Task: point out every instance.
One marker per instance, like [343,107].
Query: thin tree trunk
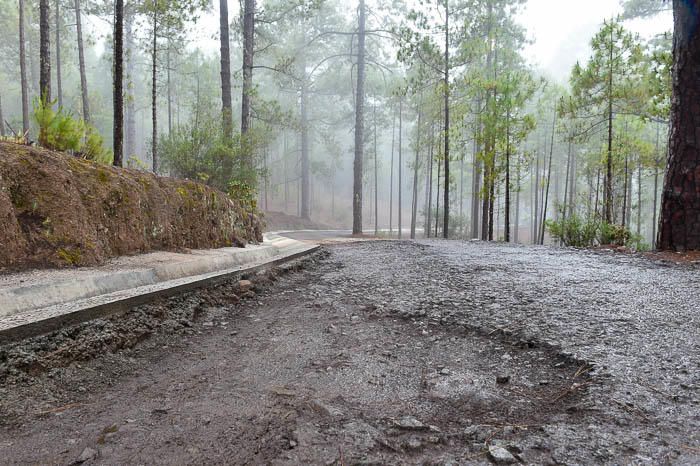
[625,192]
[130,145]
[437,202]
[506,233]
[391,173]
[414,204]
[609,162]
[81,63]
[476,175]
[169,88]
[400,179]
[44,52]
[59,84]
[305,165]
[516,227]
[247,87]
[429,200]
[657,163]
[566,187]
[23,71]
[549,180]
[597,194]
[536,207]
[226,105]
[446,189]
[118,83]
[376,176]
[639,197]
[154,93]
[359,124]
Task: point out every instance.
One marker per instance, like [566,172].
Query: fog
[523,150]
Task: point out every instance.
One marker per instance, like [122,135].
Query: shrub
[59,131]
[574,230]
[577,231]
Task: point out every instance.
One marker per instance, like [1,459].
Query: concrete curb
[45,307]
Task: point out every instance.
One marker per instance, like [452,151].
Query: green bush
[59,131]
[199,152]
[580,232]
[575,230]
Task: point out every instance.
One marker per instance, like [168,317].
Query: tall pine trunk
[44,52]
[23,71]
[414,203]
[59,83]
[359,125]
[391,172]
[118,84]
[226,104]
[506,231]
[476,176]
[376,174]
[154,92]
[400,178]
[305,164]
[429,195]
[130,136]
[446,219]
[81,63]
[247,88]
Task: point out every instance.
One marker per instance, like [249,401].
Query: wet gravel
[380,352]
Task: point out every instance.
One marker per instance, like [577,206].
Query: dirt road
[378,353]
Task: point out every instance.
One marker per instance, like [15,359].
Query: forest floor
[379,352]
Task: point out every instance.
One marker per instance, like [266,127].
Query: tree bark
[44,52]
[226,104]
[549,181]
[359,125]
[446,219]
[609,162]
[118,83]
[154,92]
[305,165]
[59,84]
[400,178]
[679,227]
[506,231]
[169,88]
[391,173]
[247,88]
[376,175]
[81,63]
[130,139]
[429,196]
[476,182]
[23,71]
[414,204]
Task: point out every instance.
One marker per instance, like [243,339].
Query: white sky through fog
[560,31]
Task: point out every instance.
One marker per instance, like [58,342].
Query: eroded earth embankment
[57,210]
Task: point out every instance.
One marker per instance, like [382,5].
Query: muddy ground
[378,353]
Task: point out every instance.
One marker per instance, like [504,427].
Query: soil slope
[57,210]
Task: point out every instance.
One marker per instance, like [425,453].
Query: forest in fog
[424,118]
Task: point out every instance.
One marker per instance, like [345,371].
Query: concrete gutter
[49,303]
